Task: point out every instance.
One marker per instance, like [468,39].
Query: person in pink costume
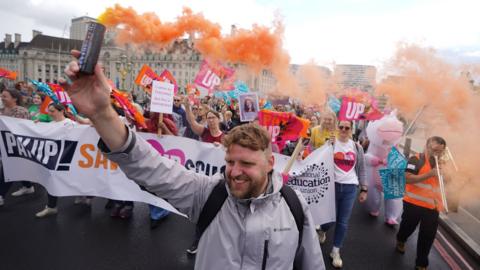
[382,135]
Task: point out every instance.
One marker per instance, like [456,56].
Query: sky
[326,32]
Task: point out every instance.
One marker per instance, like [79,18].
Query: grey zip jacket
[258,233]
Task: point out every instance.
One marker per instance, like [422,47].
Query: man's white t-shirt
[345,158]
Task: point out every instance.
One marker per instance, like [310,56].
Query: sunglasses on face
[344,128]
[176,100]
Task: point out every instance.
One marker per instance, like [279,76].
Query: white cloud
[360,38]
[372,39]
[472,53]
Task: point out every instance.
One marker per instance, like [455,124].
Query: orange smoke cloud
[452,107]
[312,79]
[258,48]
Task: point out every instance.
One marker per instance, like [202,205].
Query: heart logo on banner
[344,161]
[173,154]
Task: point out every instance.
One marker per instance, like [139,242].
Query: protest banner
[248,106]
[162,97]
[353,108]
[44,106]
[7,74]
[145,78]
[314,178]
[214,76]
[393,177]
[334,104]
[283,126]
[166,76]
[67,162]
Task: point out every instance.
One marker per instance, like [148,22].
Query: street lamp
[124,66]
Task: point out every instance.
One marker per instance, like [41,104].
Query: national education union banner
[313,177]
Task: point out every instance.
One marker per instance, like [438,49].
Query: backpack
[219,194]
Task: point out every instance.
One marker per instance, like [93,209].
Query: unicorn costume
[382,134]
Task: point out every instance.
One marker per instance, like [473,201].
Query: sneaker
[78,200]
[23,191]
[400,247]
[322,236]
[46,212]
[336,259]
[374,213]
[192,250]
[1,201]
[88,202]
[391,222]
[126,212]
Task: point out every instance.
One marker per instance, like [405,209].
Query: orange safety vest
[426,193]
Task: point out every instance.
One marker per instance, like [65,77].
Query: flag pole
[450,156]
[160,120]
[414,120]
[297,150]
[442,186]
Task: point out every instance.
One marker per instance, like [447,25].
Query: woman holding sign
[350,171]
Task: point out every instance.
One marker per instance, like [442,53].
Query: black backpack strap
[421,160]
[215,201]
[293,202]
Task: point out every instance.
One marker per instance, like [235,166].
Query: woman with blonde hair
[326,130]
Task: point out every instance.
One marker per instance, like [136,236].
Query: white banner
[67,162]
[314,178]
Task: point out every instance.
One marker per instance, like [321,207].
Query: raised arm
[196,127]
[91,96]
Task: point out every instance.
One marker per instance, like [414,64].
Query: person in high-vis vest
[422,201]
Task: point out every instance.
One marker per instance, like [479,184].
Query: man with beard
[422,202]
[255,227]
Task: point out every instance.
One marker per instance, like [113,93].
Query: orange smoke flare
[452,108]
[259,48]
